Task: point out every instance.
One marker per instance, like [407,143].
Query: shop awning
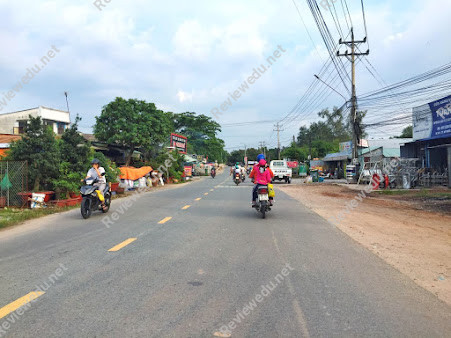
[337,157]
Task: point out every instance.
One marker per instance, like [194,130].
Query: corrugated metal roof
[337,156]
[8,138]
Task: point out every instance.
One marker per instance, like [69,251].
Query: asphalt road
[203,271]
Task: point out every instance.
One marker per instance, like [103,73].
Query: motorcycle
[237,178]
[243,177]
[262,204]
[213,173]
[91,201]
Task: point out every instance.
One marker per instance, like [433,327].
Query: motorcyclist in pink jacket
[261,176]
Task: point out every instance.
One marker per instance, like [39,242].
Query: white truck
[281,170]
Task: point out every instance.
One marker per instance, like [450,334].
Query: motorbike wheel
[237,182]
[107,203]
[263,208]
[86,208]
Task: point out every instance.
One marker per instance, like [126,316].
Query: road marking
[198,199]
[7,309]
[206,194]
[186,207]
[220,334]
[212,189]
[164,220]
[121,245]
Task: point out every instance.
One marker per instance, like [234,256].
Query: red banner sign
[188,171]
[179,142]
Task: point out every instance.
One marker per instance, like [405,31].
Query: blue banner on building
[432,120]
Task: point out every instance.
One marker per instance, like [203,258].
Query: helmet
[95,161]
[260,157]
[237,166]
[262,162]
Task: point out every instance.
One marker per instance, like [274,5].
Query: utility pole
[278,139]
[262,146]
[67,103]
[351,57]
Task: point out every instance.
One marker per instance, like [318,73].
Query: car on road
[281,170]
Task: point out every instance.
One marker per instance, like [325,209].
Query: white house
[14,123]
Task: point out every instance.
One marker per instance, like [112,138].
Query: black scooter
[90,199]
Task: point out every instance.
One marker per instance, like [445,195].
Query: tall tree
[132,124]
[201,132]
[39,148]
[74,149]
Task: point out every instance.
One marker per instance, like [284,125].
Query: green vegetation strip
[9,216]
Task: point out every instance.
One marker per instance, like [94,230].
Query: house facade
[14,123]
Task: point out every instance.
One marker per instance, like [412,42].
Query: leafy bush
[68,181]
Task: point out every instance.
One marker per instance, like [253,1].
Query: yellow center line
[6,310]
[198,199]
[164,220]
[121,245]
[186,207]
[206,194]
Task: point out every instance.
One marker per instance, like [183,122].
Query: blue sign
[441,117]
[432,120]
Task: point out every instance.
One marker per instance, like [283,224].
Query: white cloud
[184,96]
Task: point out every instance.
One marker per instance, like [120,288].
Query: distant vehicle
[281,170]
[237,178]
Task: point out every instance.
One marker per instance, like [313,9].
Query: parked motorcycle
[262,203]
[91,201]
[237,178]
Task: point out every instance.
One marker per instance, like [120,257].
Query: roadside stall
[132,178]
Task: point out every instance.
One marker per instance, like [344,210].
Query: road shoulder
[415,242]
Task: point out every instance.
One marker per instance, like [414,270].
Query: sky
[190,55]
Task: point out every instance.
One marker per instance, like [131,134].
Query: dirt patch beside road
[400,228]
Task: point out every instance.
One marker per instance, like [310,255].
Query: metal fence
[13,183]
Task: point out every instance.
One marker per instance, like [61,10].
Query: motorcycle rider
[253,174]
[96,173]
[243,173]
[235,170]
[261,176]
[213,171]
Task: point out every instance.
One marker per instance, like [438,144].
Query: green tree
[74,149]
[132,124]
[39,148]
[201,132]
[407,132]
[294,152]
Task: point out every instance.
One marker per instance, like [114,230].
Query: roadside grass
[13,216]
